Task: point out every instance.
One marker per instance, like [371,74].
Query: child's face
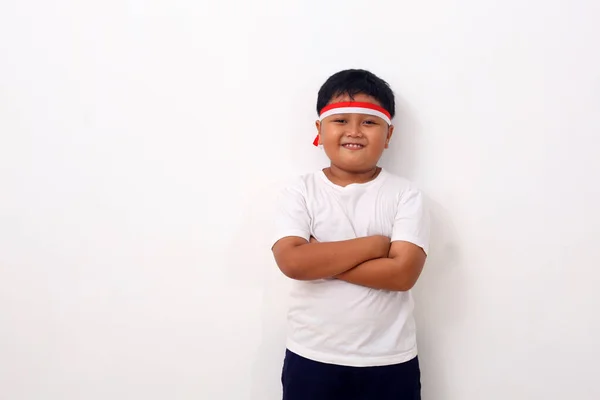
[354,142]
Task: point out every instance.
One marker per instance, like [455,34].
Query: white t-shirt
[337,322]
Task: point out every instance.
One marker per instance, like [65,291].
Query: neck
[343,178]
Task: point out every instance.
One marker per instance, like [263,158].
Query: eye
[339,121]
[370,122]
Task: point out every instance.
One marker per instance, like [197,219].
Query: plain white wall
[141,142]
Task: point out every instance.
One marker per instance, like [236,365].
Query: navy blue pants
[304,379]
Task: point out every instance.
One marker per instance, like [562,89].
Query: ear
[318,126]
[389,136]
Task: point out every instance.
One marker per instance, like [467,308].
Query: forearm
[398,272]
[380,273]
[314,260]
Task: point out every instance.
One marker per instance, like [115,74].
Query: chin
[355,167]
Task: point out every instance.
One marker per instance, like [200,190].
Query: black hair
[353,82]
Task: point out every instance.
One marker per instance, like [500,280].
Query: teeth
[353,146]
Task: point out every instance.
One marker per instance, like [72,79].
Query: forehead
[361,98]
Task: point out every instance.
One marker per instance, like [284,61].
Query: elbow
[287,260]
[294,265]
[406,276]
[402,284]
[296,274]
[292,269]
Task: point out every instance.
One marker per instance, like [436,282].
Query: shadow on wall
[438,305]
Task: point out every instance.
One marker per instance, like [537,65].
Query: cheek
[331,135]
[378,137]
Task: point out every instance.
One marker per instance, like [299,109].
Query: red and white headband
[353,107]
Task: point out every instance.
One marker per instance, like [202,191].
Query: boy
[354,238]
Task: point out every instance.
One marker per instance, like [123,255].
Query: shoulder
[400,186]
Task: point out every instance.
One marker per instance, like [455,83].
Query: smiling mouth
[353,146]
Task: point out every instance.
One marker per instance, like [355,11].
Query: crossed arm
[369,261]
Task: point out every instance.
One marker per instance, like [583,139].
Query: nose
[353,129]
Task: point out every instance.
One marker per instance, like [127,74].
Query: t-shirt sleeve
[412,220]
[291,214]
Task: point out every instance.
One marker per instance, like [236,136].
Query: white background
[141,142]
